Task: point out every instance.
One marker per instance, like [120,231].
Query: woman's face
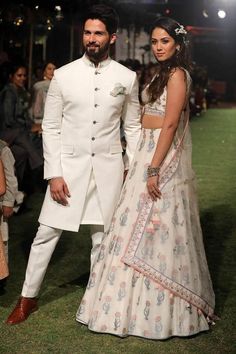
[48,72]
[163,45]
[19,77]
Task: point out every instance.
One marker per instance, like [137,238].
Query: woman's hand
[153,187]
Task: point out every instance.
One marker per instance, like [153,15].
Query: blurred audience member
[37,73]
[40,90]
[13,198]
[15,125]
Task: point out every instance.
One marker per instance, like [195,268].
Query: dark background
[213,39]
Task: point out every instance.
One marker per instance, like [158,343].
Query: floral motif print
[150,278]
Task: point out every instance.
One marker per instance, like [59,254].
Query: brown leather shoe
[24,307]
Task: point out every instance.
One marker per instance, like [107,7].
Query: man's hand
[59,190]
[36,128]
[7,211]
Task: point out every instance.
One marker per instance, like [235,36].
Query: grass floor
[53,328]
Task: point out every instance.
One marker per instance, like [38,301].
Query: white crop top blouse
[156,108]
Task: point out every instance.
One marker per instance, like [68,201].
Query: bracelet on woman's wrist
[152,171]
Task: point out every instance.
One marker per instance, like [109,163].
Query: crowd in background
[21,153]
[21,114]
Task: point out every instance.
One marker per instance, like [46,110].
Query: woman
[16,127]
[15,99]
[151,278]
[40,90]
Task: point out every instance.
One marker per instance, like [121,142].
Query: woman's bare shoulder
[178,74]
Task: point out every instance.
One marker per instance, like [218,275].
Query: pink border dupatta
[132,255]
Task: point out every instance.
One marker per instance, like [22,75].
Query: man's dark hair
[105,14]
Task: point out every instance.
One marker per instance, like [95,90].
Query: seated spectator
[16,126]
[11,200]
[37,74]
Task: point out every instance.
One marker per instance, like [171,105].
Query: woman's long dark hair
[181,58]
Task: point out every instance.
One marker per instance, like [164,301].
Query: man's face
[97,40]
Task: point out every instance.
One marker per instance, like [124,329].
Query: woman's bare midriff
[152,122]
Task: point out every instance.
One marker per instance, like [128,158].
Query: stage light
[49,24]
[221,13]
[205,13]
[59,14]
[18,21]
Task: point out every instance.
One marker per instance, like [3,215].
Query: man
[82,148]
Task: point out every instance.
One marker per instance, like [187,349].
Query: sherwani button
[93,138]
[93,154]
[96,89]
[96,105]
[94,122]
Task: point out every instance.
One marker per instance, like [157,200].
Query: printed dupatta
[133,254]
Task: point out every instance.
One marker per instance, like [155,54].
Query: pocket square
[118,90]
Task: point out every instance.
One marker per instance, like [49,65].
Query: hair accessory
[180,30]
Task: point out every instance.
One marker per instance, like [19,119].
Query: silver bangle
[152,171]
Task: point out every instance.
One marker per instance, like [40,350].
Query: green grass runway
[53,328]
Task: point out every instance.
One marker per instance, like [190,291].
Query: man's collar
[102,64]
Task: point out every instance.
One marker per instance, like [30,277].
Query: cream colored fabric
[81,132]
[41,251]
[92,214]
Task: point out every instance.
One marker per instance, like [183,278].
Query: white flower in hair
[180,30]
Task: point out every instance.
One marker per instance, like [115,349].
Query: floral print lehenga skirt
[151,278]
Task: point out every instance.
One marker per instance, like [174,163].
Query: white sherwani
[81,133]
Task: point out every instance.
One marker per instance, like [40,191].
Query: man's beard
[98,53]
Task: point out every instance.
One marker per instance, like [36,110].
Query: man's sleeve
[131,122]
[52,131]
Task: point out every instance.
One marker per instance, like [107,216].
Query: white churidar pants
[47,237]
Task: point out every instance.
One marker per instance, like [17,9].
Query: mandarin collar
[101,65]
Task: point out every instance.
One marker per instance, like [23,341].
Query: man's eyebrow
[95,32]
